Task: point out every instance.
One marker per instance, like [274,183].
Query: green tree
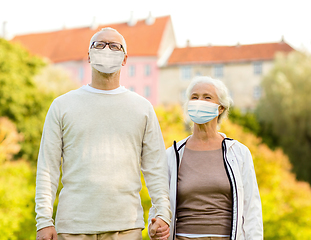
[284,111]
[20,99]
[17,188]
[54,80]
[28,85]
[247,120]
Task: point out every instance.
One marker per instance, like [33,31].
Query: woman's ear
[221,109]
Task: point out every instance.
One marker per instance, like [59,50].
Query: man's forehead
[108,34]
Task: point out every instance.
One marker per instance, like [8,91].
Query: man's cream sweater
[104,140]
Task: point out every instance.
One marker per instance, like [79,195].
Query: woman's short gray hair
[221,91]
[108,29]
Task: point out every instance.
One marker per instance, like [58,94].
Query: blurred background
[259,49]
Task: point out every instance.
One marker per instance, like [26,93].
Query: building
[156,69]
[240,67]
[149,43]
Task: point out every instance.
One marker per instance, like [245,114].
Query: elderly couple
[102,135]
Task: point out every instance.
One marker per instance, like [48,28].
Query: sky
[202,22]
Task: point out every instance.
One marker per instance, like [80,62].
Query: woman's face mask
[106,60]
[201,111]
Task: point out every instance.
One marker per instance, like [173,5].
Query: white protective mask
[202,111]
[106,60]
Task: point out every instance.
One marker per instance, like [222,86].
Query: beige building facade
[242,77]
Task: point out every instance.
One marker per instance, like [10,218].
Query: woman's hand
[158,229]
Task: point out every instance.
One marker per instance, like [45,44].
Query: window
[81,73]
[186,72]
[147,91]
[131,70]
[147,70]
[183,95]
[132,89]
[198,73]
[257,68]
[219,71]
[257,92]
[231,94]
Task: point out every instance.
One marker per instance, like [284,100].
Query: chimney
[150,20]
[282,39]
[94,24]
[4,29]
[238,44]
[132,20]
[188,43]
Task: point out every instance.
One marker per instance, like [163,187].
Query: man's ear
[88,57]
[124,60]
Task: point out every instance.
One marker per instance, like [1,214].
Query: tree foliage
[28,85]
[54,80]
[284,111]
[17,188]
[20,99]
[9,139]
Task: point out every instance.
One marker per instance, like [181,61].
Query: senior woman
[213,188]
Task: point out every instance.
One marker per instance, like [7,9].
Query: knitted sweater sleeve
[154,167]
[48,168]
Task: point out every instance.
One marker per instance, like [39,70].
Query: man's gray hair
[221,91]
[108,29]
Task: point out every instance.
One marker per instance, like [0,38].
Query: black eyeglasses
[112,45]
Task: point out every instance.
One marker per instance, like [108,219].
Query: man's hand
[48,233]
[158,229]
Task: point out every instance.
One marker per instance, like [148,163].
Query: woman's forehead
[201,88]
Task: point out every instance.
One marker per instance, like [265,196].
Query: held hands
[158,229]
[48,233]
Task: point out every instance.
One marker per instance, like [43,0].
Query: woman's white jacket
[247,213]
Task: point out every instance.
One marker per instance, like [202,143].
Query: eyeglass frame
[107,43]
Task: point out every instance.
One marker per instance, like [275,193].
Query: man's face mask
[202,111]
[106,60]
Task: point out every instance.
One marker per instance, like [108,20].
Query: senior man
[101,135]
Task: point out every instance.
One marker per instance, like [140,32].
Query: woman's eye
[194,97]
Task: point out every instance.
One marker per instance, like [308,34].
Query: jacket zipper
[177,165]
[232,181]
[177,168]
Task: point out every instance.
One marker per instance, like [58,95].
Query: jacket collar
[181,143]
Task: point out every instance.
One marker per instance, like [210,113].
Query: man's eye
[114,46]
[99,45]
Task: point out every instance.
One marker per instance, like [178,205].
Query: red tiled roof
[72,44]
[223,54]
